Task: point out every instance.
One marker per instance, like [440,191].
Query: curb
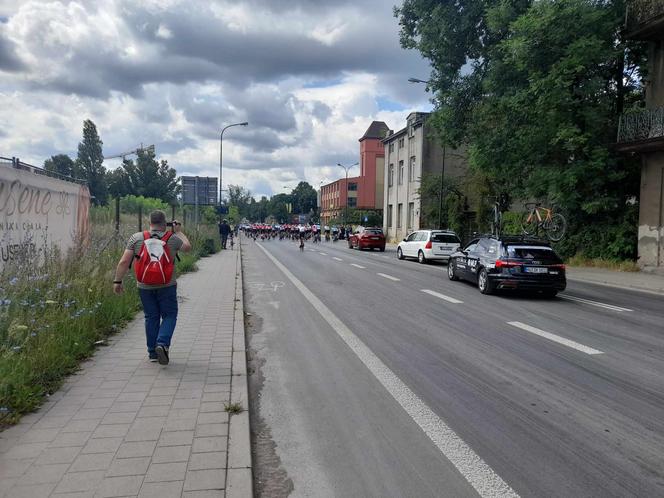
[239,477]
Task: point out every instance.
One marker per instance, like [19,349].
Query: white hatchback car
[428,245]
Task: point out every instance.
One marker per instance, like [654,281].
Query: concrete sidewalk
[126,427]
[639,280]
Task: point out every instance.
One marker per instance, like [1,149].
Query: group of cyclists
[301,233]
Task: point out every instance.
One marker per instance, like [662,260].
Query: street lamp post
[221,149]
[346,168]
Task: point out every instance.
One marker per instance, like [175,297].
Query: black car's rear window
[531,252]
[445,237]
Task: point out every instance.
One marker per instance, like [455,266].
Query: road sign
[199,190]
[366,218]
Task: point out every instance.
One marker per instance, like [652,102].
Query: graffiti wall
[38,213]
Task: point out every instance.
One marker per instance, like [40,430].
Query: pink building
[364,191]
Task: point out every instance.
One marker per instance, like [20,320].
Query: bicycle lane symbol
[267,287]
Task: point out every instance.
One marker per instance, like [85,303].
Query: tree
[150,178]
[240,197]
[89,163]
[118,182]
[278,207]
[304,198]
[61,164]
[535,89]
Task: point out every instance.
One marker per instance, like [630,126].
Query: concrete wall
[655,86]
[651,211]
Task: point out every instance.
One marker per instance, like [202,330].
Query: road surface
[379,377]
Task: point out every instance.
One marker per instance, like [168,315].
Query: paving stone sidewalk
[126,427]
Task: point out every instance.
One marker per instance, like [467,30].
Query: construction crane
[149,148]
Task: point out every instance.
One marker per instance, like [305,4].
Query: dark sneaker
[153,357]
[162,354]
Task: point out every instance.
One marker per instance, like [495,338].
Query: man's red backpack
[154,263]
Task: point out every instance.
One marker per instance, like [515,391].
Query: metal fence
[640,12]
[643,125]
[15,162]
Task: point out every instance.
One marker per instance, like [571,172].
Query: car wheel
[483,283]
[350,244]
[451,271]
[399,253]
[420,258]
[549,293]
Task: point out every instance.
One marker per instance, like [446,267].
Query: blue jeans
[161,314]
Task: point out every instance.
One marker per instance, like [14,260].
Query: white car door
[410,245]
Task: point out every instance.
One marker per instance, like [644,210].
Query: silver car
[427,245]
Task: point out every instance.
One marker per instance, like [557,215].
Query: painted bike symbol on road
[264,286]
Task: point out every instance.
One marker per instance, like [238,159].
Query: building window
[411,214]
[400,172]
[391,146]
[352,202]
[390,175]
[352,187]
[411,169]
[402,142]
[399,214]
[389,215]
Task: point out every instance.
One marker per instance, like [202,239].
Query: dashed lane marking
[389,277]
[442,296]
[469,464]
[556,338]
[323,253]
[358,266]
[338,259]
[593,303]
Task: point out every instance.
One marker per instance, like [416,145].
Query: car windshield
[445,237]
[531,252]
[374,232]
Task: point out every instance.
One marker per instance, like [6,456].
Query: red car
[367,238]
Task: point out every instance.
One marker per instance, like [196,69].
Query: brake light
[429,245]
[505,264]
[557,267]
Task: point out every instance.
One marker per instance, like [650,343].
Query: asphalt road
[555,397]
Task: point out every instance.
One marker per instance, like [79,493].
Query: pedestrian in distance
[224,230]
[153,254]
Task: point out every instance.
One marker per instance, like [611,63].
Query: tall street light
[221,150]
[346,168]
[442,173]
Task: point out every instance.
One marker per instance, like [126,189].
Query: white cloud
[173,73]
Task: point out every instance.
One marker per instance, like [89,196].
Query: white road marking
[442,296]
[338,259]
[389,277]
[556,338]
[482,477]
[323,254]
[594,303]
[358,266]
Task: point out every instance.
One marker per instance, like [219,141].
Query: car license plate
[375,238]
[535,269]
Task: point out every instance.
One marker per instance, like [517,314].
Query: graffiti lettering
[15,197]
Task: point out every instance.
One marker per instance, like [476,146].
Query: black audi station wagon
[509,262]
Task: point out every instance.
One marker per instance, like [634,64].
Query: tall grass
[53,314]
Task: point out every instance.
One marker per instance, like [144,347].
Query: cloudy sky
[308,75]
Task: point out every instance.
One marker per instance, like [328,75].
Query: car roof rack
[513,238]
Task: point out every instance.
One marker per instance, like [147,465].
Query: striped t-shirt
[174,244]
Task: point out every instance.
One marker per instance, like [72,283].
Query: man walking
[155,251]
[224,230]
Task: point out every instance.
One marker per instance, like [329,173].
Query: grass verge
[52,315]
[607,264]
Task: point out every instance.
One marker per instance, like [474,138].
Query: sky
[308,75]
